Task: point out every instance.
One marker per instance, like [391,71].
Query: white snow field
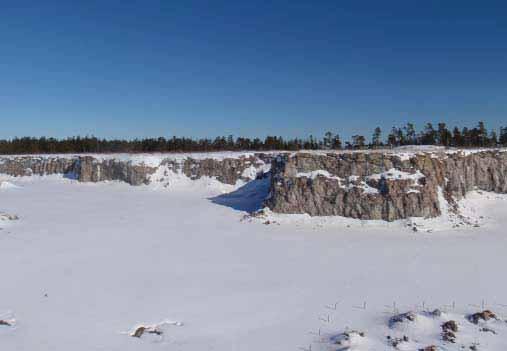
[86,265]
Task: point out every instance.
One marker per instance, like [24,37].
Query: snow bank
[317,173]
[395,174]
[8,185]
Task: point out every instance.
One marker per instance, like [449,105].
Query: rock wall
[89,169]
[381,185]
[95,169]
[364,185]
[227,170]
[34,165]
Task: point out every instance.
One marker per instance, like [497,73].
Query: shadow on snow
[249,198]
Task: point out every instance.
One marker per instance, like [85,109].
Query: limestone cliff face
[95,169]
[365,185]
[485,171]
[33,165]
[380,185]
[227,170]
[89,169]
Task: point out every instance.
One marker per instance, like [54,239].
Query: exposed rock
[36,165]
[395,342]
[485,315]
[435,313]
[89,169]
[347,337]
[5,323]
[450,326]
[377,185]
[228,170]
[97,169]
[449,336]
[403,317]
[429,348]
[149,330]
[138,332]
[365,185]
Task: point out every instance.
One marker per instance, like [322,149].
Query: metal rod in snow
[332,307]
[325,319]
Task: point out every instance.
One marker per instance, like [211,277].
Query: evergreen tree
[482,134]
[358,141]
[428,136]
[328,140]
[337,143]
[457,139]
[376,139]
[443,135]
[410,134]
[400,137]
[503,136]
[392,137]
[493,140]
[466,136]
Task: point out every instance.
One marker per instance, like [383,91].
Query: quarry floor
[86,263]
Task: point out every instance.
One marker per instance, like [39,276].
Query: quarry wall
[366,185]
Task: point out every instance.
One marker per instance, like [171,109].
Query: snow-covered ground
[86,265]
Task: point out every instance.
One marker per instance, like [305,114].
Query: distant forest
[477,136]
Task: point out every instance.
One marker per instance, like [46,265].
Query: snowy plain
[85,264]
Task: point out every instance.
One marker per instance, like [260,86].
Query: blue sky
[208,68]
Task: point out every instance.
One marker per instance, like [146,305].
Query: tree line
[440,134]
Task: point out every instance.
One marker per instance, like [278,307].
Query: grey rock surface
[93,169]
[359,184]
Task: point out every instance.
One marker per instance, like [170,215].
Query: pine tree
[376,139]
[428,137]
[392,137]
[443,135]
[457,139]
[493,140]
[411,138]
[482,135]
[400,137]
[358,141]
[503,136]
[337,143]
[328,140]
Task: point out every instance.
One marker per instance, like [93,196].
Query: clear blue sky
[248,68]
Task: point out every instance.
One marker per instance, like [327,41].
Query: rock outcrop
[381,185]
[227,170]
[35,165]
[89,169]
[378,185]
